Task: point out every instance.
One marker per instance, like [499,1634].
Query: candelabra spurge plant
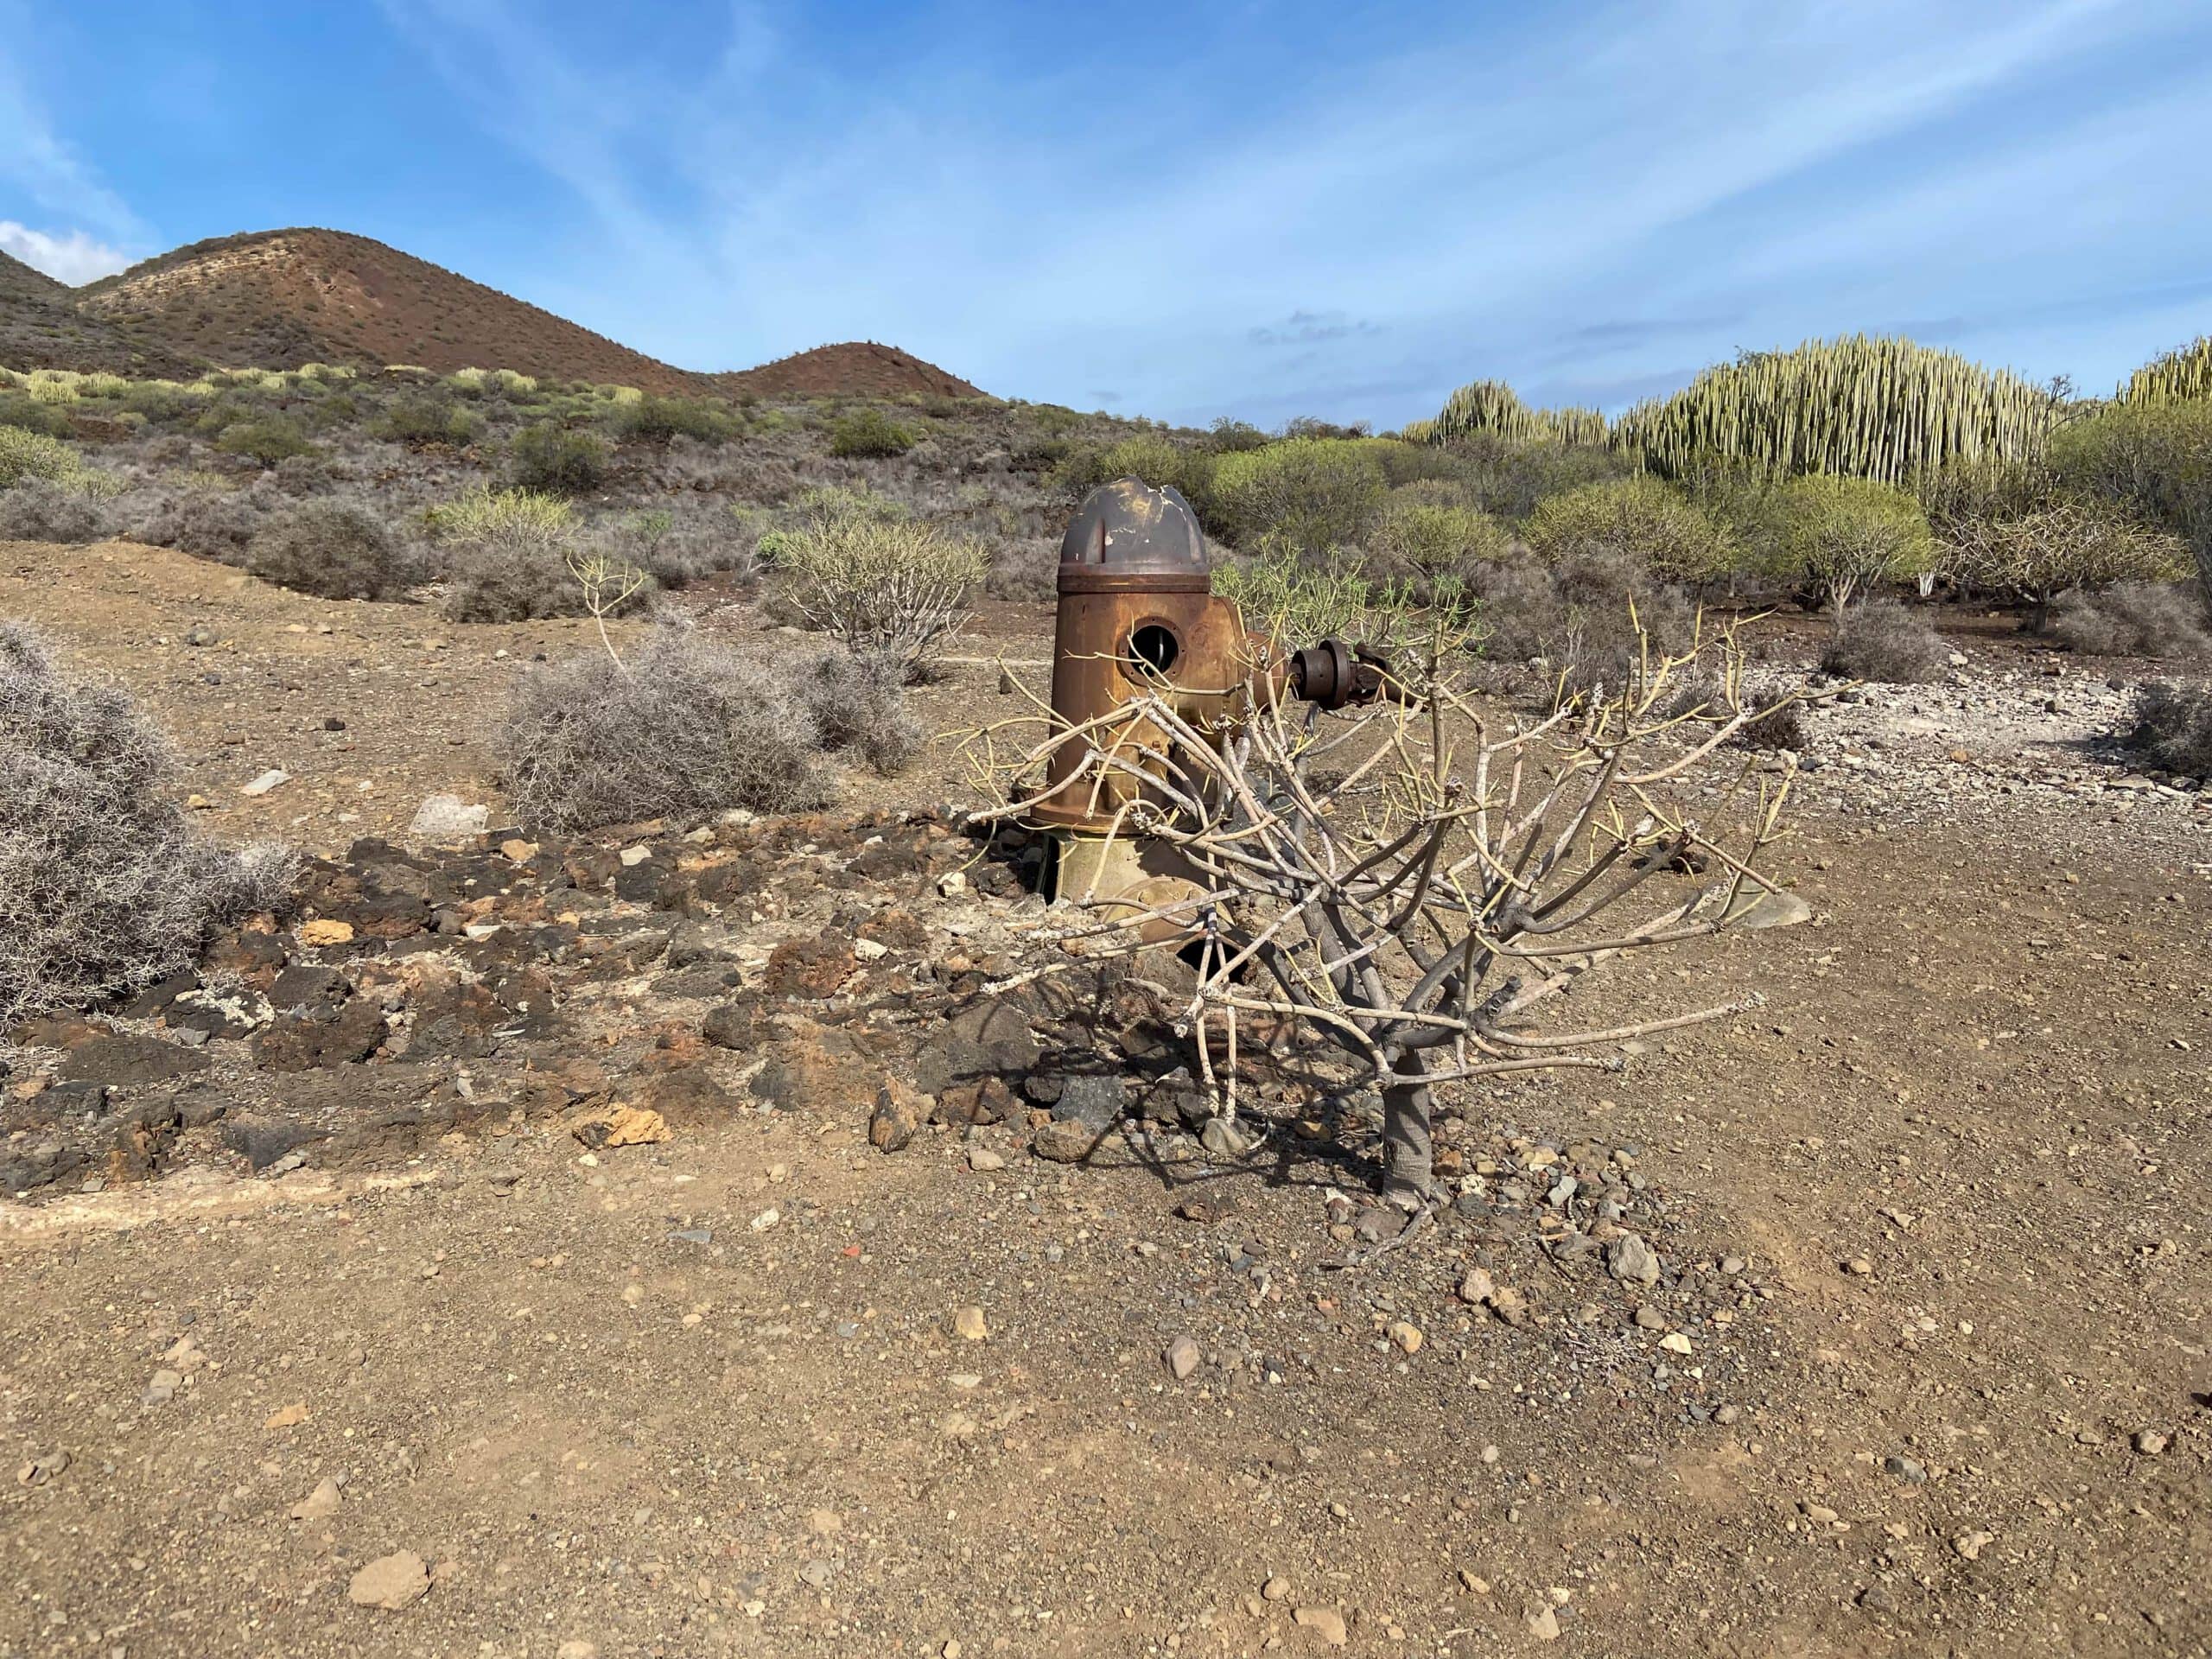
[1416,888]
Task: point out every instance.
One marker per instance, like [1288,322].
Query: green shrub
[2086,544]
[889,589]
[1637,517]
[1298,601]
[267,439]
[1838,537]
[29,415]
[655,420]
[2155,458]
[25,453]
[1436,539]
[545,457]
[868,435]
[429,420]
[1159,461]
[1228,437]
[1310,494]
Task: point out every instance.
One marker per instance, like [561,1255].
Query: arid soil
[1923,1370]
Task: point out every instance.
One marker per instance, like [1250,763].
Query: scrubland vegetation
[1870,481]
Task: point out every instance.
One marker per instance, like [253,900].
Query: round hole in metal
[1155,646]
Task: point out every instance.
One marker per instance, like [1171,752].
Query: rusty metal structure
[1138,618]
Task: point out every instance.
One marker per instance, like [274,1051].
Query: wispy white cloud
[36,160]
[74,257]
[1473,204]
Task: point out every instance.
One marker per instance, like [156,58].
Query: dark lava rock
[810,968]
[39,1165]
[1093,1101]
[639,883]
[302,985]
[156,997]
[306,1042]
[734,1025]
[125,1061]
[262,1143]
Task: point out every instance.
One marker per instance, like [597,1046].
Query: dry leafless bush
[103,886]
[1589,619]
[334,549]
[1415,886]
[208,522]
[40,510]
[680,728]
[1885,643]
[859,705]
[2134,619]
[2173,728]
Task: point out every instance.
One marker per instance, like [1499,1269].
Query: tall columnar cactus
[1494,407]
[1859,407]
[2183,375]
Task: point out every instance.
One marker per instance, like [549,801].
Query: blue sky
[1258,207]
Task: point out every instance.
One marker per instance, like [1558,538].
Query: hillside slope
[852,369]
[276,299]
[41,327]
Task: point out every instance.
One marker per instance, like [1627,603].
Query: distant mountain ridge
[278,299]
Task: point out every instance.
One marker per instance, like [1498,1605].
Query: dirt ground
[1932,1224]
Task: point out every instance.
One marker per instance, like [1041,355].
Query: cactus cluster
[2183,375]
[1492,406]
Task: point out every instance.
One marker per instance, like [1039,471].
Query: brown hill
[276,299]
[853,369]
[40,327]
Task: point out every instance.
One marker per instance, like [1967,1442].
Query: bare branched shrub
[1886,643]
[334,549]
[893,589]
[859,704]
[1028,570]
[204,519]
[1412,887]
[1588,620]
[680,728]
[2134,619]
[40,510]
[2173,728]
[103,886]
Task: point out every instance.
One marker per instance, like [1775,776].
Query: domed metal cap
[1128,528]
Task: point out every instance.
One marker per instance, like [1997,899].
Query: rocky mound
[855,969]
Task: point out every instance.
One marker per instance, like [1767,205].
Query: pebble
[390,1582]
[2149,1442]
[324,1500]
[1543,1624]
[969,1323]
[272,778]
[1971,1544]
[1406,1336]
[1182,1356]
[984,1161]
[1276,1587]
[1324,1622]
[1633,1262]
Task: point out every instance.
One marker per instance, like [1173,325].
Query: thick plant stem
[1407,1174]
